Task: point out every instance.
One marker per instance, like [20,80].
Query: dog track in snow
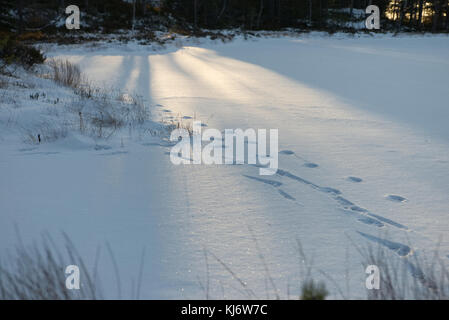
[370,221]
[348,205]
[102,147]
[329,190]
[390,222]
[400,249]
[266,181]
[362,214]
[286,152]
[275,184]
[310,165]
[306,182]
[286,195]
[307,164]
[113,153]
[395,198]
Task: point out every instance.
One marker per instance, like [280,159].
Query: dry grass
[66,73]
[413,277]
[38,273]
[309,289]
[178,123]
[107,111]
[101,111]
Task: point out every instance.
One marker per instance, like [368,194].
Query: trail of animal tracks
[355,167]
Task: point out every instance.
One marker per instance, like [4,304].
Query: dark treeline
[273,14]
[109,15]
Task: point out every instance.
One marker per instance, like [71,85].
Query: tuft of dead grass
[38,273]
[66,73]
[417,276]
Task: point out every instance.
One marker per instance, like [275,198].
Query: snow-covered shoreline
[364,158]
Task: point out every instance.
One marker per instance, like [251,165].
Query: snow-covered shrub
[45,130]
[133,108]
[311,290]
[13,51]
[86,89]
[105,111]
[75,104]
[173,124]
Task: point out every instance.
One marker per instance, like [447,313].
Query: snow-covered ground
[364,158]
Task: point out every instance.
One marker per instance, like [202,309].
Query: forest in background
[107,16]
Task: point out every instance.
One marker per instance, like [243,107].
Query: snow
[364,158]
